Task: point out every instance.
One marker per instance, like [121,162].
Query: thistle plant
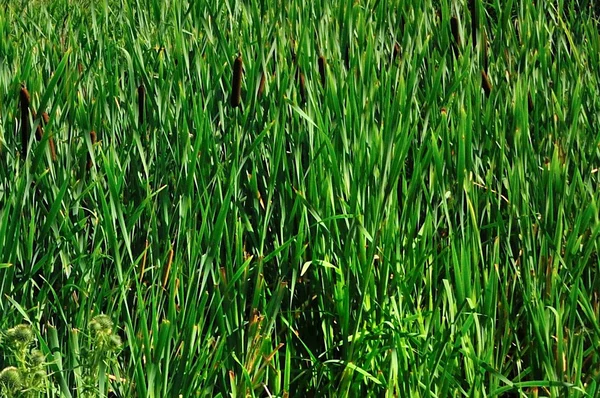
[98,356]
[27,376]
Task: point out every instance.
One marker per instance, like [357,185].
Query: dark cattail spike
[474,21]
[141,104]
[236,83]
[347,57]
[301,85]
[397,51]
[485,52]
[293,51]
[530,105]
[39,131]
[261,85]
[45,121]
[89,156]
[485,83]
[25,124]
[322,70]
[454,26]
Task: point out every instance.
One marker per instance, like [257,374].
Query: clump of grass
[236,82]
[25,99]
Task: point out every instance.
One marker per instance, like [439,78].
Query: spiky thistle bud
[36,358]
[101,324]
[11,378]
[19,336]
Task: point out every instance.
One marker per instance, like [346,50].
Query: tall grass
[406,229]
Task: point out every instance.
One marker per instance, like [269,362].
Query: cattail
[456,34]
[485,83]
[261,85]
[474,21]
[141,104]
[45,120]
[322,66]
[89,156]
[301,85]
[293,51]
[397,50]
[530,105]
[347,57]
[39,132]
[236,84]
[485,52]
[80,68]
[25,125]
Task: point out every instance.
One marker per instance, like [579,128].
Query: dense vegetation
[398,198]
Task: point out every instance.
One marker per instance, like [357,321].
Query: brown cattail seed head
[302,86]
[141,104]
[39,131]
[474,21]
[322,72]
[456,35]
[485,52]
[39,134]
[347,57]
[293,51]
[485,83]
[530,105]
[236,84]
[89,156]
[25,125]
[261,85]
[397,50]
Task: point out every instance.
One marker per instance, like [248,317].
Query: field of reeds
[299,199]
